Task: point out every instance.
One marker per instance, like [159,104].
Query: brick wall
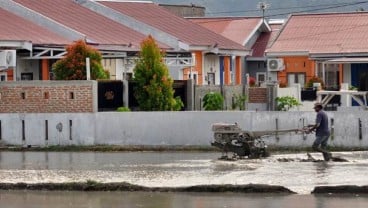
[48,97]
[257,95]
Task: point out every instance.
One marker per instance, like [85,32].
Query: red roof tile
[15,28]
[160,18]
[324,33]
[237,29]
[97,28]
[264,40]
[260,45]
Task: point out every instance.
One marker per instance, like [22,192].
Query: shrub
[123,109]
[315,80]
[286,102]
[213,101]
[239,101]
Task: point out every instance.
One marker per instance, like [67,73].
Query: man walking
[322,132]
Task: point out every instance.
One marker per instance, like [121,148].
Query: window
[211,78]
[26,76]
[296,78]
[261,78]
[2,77]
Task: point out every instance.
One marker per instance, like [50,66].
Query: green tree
[213,101]
[154,90]
[73,65]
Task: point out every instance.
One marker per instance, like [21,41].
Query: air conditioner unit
[8,58]
[275,64]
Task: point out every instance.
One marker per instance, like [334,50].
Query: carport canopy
[353,60]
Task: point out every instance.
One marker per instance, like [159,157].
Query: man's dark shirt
[322,122]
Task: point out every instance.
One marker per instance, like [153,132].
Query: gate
[110,95]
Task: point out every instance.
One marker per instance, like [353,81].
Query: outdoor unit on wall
[275,64]
[8,58]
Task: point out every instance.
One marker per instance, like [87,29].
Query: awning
[347,60]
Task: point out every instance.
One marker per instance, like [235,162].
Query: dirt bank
[95,186]
[346,189]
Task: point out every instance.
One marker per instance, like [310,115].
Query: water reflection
[322,169]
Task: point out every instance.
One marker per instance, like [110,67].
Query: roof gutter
[338,55]
[16,44]
[287,53]
[214,49]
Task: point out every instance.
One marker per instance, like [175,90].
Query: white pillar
[88,68]
[323,72]
[345,98]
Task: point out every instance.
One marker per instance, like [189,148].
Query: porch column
[227,70]
[323,72]
[341,73]
[199,66]
[238,70]
[10,75]
[45,69]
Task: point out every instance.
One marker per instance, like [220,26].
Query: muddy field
[182,169]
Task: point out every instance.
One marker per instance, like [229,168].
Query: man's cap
[318,105]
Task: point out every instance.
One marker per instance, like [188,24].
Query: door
[358,71]
[211,78]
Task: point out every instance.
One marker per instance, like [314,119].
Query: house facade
[331,46]
[254,33]
[116,29]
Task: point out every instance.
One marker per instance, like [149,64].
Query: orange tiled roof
[237,29]
[329,33]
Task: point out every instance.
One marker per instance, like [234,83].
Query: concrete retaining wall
[171,128]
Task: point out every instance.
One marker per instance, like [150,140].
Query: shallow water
[173,169]
[42,199]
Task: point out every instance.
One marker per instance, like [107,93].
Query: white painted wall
[173,128]
[347,73]
[119,69]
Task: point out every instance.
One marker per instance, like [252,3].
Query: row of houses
[37,31]
[212,51]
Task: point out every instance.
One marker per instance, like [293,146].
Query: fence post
[271,96]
